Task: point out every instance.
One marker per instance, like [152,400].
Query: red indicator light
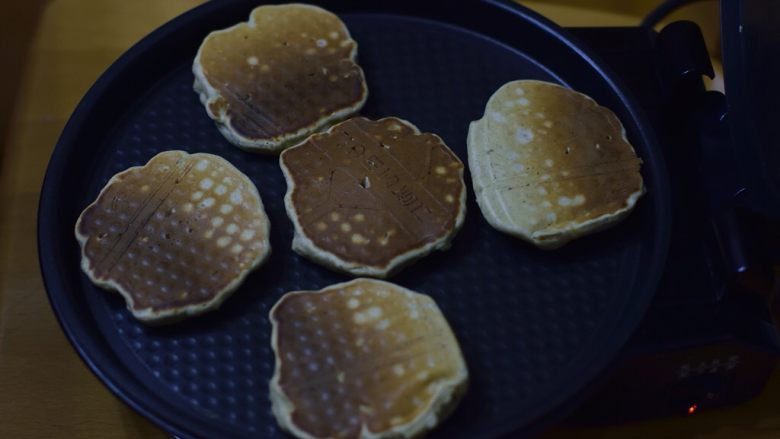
[692,409]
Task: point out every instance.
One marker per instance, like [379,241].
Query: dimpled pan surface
[534,327]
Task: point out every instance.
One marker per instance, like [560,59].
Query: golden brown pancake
[286,73]
[549,164]
[363,359]
[176,236]
[368,197]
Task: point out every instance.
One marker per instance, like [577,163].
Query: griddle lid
[751,45]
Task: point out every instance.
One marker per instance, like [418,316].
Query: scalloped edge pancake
[208,94]
[447,398]
[148,315]
[483,140]
[303,245]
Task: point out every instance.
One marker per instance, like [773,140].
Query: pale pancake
[369,197]
[288,72]
[549,164]
[363,359]
[174,237]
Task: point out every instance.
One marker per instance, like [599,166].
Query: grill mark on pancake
[385,196]
[428,164]
[132,218]
[356,207]
[262,120]
[535,181]
[415,180]
[145,213]
[325,208]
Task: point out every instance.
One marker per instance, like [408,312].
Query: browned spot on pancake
[367,353]
[156,232]
[383,197]
[282,72]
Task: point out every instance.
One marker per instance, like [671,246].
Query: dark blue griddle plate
[535,327]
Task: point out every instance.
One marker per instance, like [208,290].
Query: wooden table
[52,52]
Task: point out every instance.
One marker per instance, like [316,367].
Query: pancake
[363,359]
[549,164]
[369,197]
[174,237]
[286,73]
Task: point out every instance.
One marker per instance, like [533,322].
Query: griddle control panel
[716,365]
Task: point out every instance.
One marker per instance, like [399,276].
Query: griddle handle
[686,59]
